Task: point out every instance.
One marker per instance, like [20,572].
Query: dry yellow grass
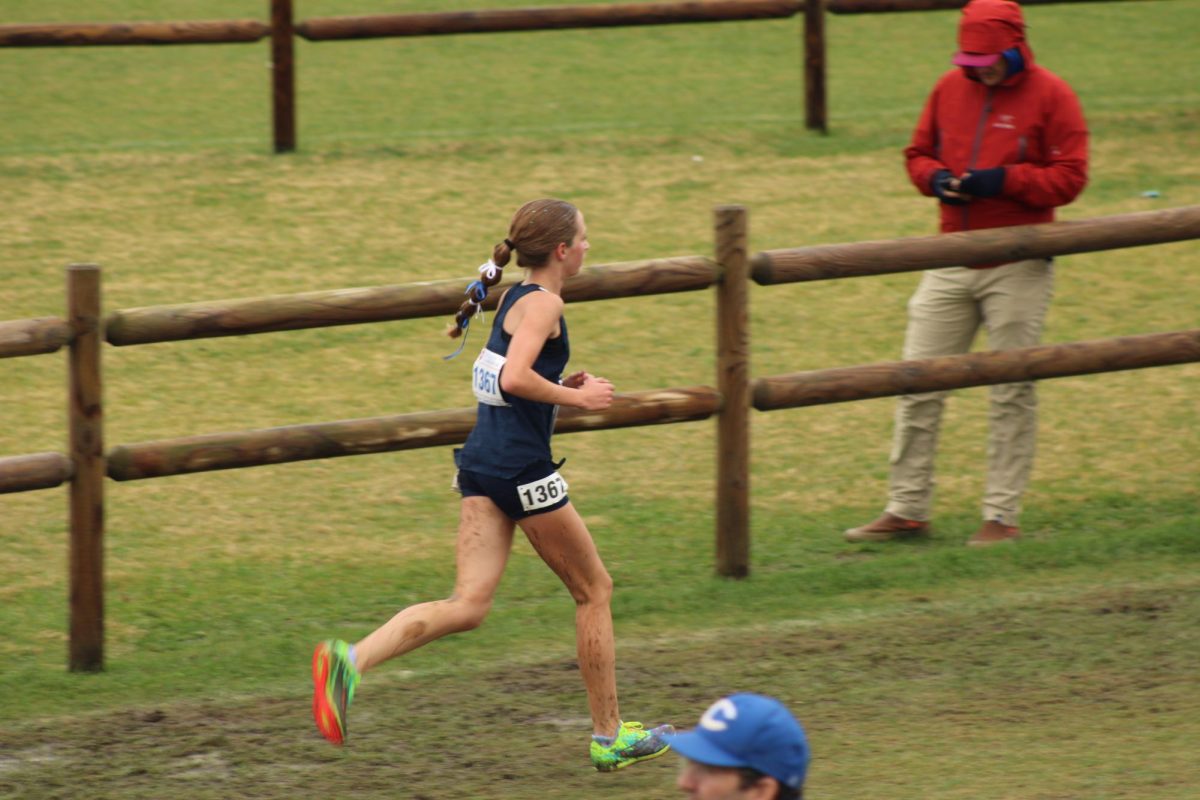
[185,227]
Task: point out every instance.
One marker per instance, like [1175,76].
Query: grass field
[1060,668]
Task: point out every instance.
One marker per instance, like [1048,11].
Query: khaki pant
[943,316]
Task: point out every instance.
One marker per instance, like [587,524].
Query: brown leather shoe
[994,532]
[886,528]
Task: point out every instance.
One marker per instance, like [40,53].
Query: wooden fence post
[733,382]
[283,76]
[815,118]
[86,647]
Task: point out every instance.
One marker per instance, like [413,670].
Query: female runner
[507,478]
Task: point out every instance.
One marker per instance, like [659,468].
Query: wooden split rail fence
[282,30]
[83,329]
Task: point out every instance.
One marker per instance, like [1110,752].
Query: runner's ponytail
[490,273]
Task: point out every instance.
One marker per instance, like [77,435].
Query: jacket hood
[993,26]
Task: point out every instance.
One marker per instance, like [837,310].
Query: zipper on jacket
[976,146]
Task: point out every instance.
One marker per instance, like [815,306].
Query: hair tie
[510,244]
[489,271]
[478,292]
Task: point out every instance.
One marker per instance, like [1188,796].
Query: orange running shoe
[334,682]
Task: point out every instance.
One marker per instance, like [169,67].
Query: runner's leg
[484,541]
[562,539]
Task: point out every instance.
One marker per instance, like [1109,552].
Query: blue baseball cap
[748,730]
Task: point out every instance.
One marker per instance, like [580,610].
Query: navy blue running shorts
[536,490]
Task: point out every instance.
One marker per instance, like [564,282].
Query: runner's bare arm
[541,313]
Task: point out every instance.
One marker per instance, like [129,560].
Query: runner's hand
[596,394]
[575,380]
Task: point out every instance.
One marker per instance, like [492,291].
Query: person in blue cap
[746,747]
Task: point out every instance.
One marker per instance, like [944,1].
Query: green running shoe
[334,682]
[633,743]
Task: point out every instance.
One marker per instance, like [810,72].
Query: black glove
[983,182]
[941,184]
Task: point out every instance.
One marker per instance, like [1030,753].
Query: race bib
[485,379]
[541,493]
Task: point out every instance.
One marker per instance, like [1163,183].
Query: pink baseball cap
[974,59]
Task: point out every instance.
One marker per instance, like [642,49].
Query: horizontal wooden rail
[383,434]
[878,6]
[450,22]
[383,303]
[994,245]
[29,337]
[975,369]
[36,471]
[126,33]
[541,19]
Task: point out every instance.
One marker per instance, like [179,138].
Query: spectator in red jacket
[1001,141]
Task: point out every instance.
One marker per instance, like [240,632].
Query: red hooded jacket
[1031,124]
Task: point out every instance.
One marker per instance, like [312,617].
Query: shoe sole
[325,713]
[990,542]
[629,761]
[854,535]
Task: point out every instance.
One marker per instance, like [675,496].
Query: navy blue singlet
[507,439]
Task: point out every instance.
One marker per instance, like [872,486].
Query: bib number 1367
[541,493]
[486,378]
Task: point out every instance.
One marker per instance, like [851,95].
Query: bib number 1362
[541,493]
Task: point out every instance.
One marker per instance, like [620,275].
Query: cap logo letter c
[719,715]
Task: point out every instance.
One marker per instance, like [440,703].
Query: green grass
[1049,692]
[1059,668]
